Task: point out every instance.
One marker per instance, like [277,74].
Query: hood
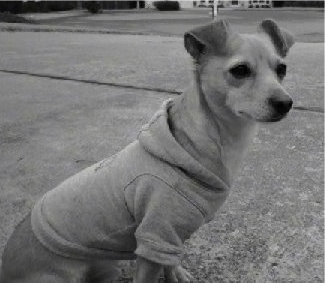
[157,139]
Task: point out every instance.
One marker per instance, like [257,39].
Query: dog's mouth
[272,119]
[275,118]
[245,115]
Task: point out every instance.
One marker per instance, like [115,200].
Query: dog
[145,201]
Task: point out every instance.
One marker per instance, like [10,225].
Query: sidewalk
[150,61]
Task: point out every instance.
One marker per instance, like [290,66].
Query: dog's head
[242,72]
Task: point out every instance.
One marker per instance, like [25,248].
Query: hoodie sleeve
[165,220]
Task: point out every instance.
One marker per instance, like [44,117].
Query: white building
[246,4]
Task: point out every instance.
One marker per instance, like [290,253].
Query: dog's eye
[240,71]
[281,70]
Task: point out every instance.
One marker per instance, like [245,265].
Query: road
[176,23]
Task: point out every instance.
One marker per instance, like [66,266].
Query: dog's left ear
[281,38]
[209,38]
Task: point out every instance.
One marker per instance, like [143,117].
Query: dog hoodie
[143,201]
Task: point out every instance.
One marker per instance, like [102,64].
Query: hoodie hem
[51,240]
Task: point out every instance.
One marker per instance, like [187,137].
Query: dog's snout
[281,105]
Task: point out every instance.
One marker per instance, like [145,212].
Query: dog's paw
[177,274]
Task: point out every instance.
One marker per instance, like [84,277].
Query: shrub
[319,4]
[17,7]
[93,6]
[57,5]
[14,7]
[7,17]
[167,5]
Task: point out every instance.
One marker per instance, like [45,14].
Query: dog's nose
[281,105]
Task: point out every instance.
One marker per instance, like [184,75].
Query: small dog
[145,201]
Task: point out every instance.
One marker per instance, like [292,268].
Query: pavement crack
[315,109]
[63,78]
[309,108]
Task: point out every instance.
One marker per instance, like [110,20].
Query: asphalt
[68,100]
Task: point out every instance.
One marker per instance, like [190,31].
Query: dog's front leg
[177,274]
[147,271]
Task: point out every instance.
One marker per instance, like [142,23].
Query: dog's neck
[210,137]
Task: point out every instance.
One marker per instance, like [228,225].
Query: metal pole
[215,9]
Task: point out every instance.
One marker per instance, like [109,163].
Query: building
[236,4]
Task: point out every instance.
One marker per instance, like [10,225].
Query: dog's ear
[281,38]
[211,37]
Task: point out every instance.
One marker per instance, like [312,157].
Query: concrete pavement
[141,61]
[270,229]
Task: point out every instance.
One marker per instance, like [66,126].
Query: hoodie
[143,201]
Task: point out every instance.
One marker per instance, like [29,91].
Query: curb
[39,17]
[11,27]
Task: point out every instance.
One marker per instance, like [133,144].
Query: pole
[215,9]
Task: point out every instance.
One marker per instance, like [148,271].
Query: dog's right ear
[281,38]
[211,37]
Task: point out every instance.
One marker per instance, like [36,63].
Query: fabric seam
[194,203]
